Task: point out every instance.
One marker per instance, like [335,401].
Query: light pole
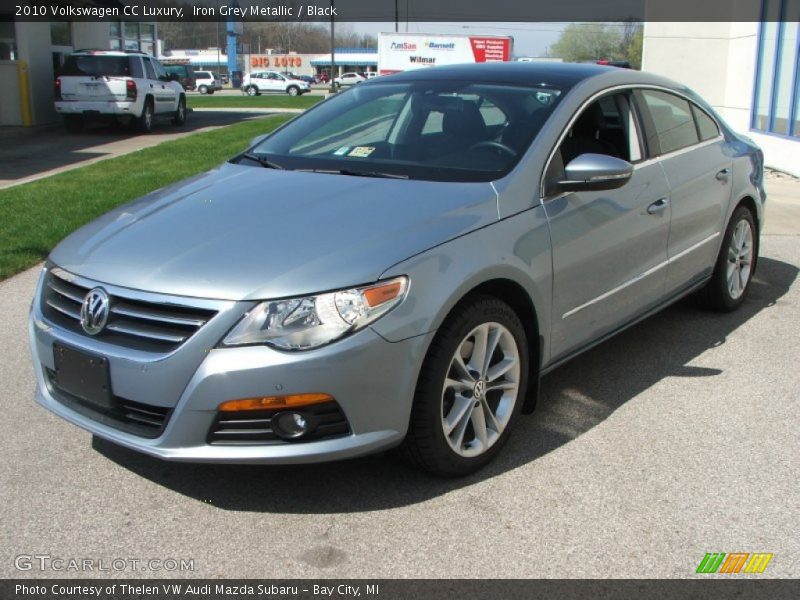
[333,57]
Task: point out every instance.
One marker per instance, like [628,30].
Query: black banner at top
[395,10]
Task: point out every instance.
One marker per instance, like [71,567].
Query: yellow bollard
[24,93]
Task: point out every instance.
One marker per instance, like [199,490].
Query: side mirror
[595,172]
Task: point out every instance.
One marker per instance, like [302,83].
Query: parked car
[130,87]
[185,75]
[492,222]
[224,78]
[347,79]
[371,74]
[260,82]
[207,82]
[308,79]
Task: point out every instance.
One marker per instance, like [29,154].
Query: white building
[31,52]
[747,71]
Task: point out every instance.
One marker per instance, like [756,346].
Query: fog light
[290,425]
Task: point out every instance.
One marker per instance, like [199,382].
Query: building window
[776,105]
[133,36]
[8,41]
[60,33]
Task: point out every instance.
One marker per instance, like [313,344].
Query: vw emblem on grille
[94,311]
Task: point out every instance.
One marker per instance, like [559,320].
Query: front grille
[144,420]
[135,324]
[253,427]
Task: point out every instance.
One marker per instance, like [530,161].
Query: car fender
[516,250]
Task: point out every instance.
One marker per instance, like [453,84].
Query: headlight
[312,321]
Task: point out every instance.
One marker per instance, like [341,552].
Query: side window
[136,67]
[673,122]
[606,126]
[706,126]
[148,69]
[160,72]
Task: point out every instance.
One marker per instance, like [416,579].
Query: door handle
[723,175]
[658,206]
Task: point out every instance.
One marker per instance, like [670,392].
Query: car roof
[563,75]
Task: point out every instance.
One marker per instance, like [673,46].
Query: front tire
[733,270]
[470,389]
[293,90]
[203,89]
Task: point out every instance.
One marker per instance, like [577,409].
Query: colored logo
[734,562]
[440,46]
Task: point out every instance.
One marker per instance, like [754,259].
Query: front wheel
[203,89]
[470,389]
[733,271]
[293,90]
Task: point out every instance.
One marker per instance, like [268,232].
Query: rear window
[108,66]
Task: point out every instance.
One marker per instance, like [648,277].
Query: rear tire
[145,121]
[733,271]
[252,91]
[467,397]
[73,123]
[180,114]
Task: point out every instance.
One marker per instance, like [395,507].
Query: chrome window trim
[640,276]
[619,88]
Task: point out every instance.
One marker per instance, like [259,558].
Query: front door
[609,247]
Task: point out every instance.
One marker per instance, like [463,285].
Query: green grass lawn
[263,101]
[35,216]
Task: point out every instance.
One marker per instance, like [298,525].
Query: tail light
[130,90]
[57,88]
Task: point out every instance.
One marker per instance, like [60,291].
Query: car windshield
[109,66]
[443,130]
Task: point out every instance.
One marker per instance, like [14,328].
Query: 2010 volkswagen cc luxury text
[398,266]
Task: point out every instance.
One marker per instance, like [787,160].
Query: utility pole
[333,57]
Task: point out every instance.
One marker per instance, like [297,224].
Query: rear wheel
[73,123]
[470,389]
[145,121]
[180,113]
[252,91]
[733,270]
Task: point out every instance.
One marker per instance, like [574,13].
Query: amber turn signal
[377,295]
[274,402]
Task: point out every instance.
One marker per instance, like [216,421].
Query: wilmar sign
[404,51]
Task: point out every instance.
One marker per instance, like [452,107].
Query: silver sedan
[397,267]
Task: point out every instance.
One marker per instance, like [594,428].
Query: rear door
[609,247]
[693,155]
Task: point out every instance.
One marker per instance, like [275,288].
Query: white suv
[207,82]
[259,82]
[127,86]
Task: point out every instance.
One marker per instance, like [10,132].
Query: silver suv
[131,87]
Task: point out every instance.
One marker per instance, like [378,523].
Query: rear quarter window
[706,126]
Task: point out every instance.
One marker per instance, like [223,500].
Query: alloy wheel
[480,389]
[740,259]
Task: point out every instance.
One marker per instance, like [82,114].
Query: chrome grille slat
[145,332]
[63,310]
[154,315]
[134,321]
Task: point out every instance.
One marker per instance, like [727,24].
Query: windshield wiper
[356,173]
[264,162]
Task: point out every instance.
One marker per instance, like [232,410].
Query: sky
[530,39]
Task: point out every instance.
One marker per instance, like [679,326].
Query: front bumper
[101,107]
[371,379]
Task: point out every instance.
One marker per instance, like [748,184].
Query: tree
[593,41]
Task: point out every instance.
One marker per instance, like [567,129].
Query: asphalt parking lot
[676,438]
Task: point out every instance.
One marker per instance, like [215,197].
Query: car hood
[245,233]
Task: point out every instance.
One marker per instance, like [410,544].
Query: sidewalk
[783,204]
